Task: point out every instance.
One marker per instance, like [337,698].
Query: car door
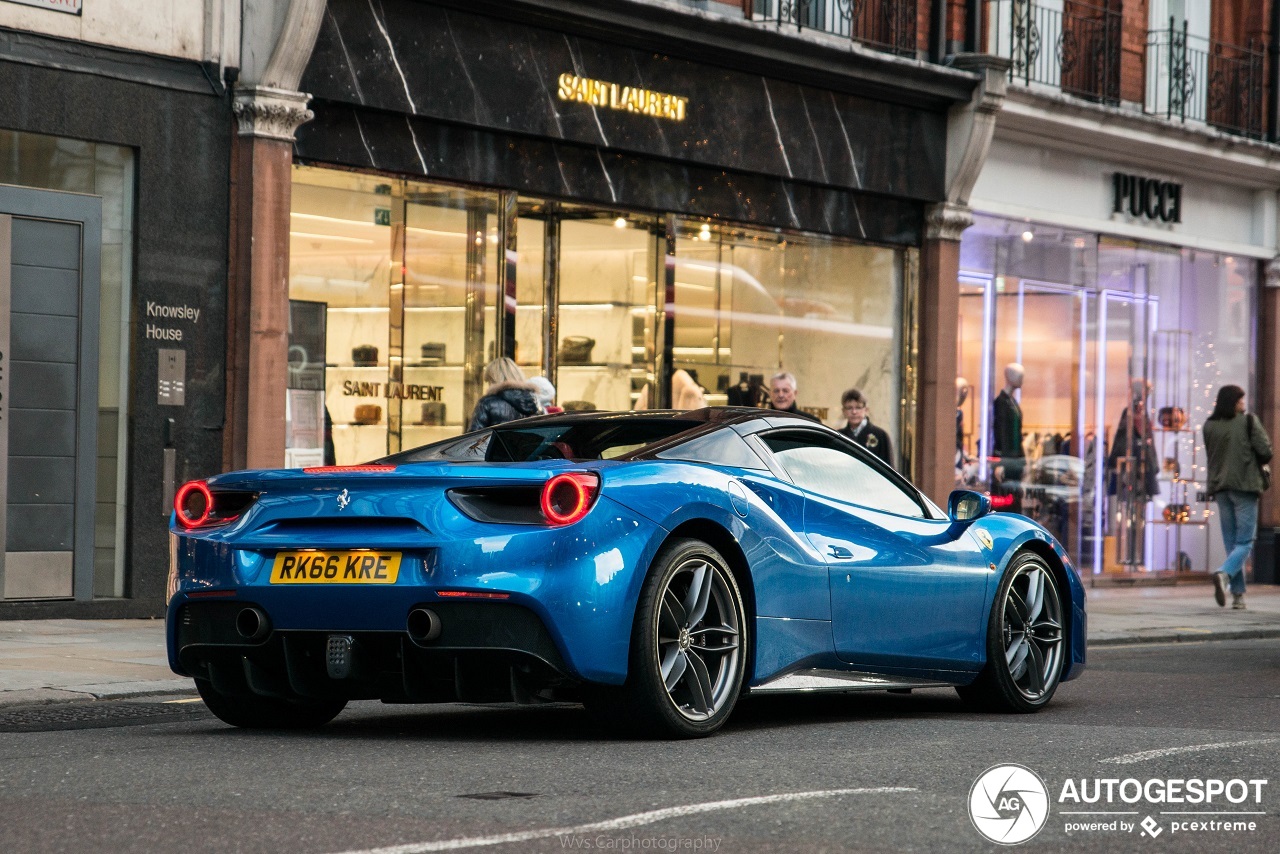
[905,593]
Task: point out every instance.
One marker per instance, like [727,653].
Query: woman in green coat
[1238,447]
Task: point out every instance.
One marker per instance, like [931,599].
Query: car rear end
[417,582]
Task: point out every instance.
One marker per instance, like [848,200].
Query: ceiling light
[620,222]
[1028,236]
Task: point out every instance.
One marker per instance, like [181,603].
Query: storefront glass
[1122,347]
[405,279]
[750,304]
[107,171]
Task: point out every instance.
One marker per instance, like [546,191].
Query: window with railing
[1061,44]
[1202,80]
[888,25]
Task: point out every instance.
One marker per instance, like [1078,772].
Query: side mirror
[965,506]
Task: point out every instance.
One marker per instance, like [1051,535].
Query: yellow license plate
[345,567]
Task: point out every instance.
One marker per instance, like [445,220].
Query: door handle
[840,553]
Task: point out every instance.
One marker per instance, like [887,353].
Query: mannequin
[962,394]
[1008,414]
[1134,468]
[1007,439]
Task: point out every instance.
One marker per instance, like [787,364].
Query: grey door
[49,291]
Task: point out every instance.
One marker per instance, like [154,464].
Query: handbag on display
[1177,513]
[575,350]
[433,353]
[364,356]
[1172,417]
[433,413]
[368,413]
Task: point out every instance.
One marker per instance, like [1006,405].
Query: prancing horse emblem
[344,498]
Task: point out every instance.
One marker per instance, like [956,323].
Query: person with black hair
[1238,449]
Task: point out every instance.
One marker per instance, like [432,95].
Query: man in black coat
[861,430]
[782,395]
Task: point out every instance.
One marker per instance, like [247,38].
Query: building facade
[279,232]
[114,163]
[1125,220]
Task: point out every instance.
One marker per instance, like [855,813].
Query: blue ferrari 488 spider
[655,566]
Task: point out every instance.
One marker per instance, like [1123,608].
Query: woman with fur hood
[508,395]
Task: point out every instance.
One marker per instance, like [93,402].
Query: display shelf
[342,367]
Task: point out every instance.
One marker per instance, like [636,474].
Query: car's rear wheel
[688,647]
[1025,646]
[253,712]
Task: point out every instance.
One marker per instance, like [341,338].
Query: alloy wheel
[698,639]
[1032,631]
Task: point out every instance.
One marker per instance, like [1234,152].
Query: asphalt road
[869,772]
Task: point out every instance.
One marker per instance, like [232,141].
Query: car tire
[689,646]
[1026,645]
[253,712]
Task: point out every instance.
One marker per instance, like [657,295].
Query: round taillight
[193,504]
[566,498]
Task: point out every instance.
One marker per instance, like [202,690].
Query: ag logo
[344,498]
[1008,804]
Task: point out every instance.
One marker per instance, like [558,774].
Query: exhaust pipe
[423,625]
[252,625]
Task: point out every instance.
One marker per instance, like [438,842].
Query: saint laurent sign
[1149,198]
[630,99]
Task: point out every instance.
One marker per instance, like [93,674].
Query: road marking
[190,700]
[1130,758]
[623,822]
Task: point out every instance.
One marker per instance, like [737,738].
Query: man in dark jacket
[782,394]
[860,429]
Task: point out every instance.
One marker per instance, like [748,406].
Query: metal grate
[68,716]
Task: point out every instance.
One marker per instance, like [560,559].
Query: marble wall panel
[342,134]
[419,59]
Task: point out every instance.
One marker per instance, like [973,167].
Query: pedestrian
[782,394]
[507,396]
[546,395]
[1238,449]
[860,429]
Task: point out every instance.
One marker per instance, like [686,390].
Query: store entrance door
[49,289]
[1124,463]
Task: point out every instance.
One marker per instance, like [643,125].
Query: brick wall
[1134,19]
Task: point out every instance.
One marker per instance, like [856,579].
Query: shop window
[406,273]
[750,304]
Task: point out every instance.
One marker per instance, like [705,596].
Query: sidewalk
[46,661]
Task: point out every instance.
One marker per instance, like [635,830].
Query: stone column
[970,127]
[258,298]
[938,308]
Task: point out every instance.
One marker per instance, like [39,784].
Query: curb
[1184,637]
[125,691]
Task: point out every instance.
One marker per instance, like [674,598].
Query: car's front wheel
[253,712]
[1025,646]
[688,647]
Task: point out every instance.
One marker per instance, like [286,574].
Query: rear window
[573,440]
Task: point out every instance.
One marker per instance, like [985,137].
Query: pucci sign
[1148,198]
[71,7]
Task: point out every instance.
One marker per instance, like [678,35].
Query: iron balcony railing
[1198,79]
[1067,45]
[887,25]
